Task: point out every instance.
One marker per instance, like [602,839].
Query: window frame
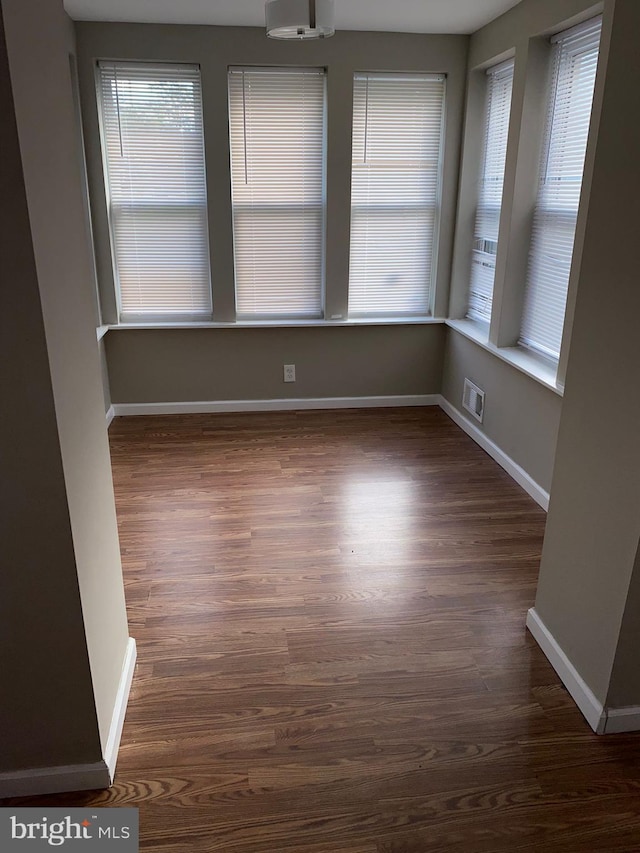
[319,207]
[436,208]
[542,210]
[493,73]
[533,57]
[131,319]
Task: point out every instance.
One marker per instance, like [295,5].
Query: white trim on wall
[535,367]
[581,693]
[120,708]
[540,496]
[602,720]
[285,405]
[512,468]
[78,777]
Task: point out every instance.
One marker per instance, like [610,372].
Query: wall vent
[473,400]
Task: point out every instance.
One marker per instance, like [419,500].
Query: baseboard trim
[521,477]
[601,719]
[540,496]
[54,780]
[78,777]
[582,695]
[120,708]
[283,405]
[622,720]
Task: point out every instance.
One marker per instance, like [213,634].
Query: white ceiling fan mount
[300,19]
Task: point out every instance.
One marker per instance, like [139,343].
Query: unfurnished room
[320,465]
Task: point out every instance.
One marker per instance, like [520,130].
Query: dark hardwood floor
[329,609]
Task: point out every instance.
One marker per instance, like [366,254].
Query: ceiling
[411,16]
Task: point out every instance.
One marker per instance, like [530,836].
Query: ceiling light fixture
[300,19]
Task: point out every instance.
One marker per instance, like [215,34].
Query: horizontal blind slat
[487,222]
[555,216]
[276,120]
[395,189]
[151,118]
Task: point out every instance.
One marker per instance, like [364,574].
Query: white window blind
[155,175]
[487,224]
[277,173]
[395,192]
[575,61]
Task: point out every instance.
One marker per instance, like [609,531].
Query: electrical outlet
[289,372]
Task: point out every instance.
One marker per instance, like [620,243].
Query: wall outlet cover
[473,400]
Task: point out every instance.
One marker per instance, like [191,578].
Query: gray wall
[39,39]
[588,593]
[245,364]
[521,416]
[624,687]
[528,19]
[136,359]
[104,371]
[43,653]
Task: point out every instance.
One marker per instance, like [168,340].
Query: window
[487,224]
[153,155]
[575,59]
[277,175]
[395,191]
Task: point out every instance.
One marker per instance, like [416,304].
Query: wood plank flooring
[329,609]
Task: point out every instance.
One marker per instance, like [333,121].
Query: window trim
[532,70]
[151,317]
[282,318]
[318,323]
[557,43]
[437,208]
[492,73]
[534,366]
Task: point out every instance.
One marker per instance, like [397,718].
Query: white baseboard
[54,780]
[521,477]
[207,406]
[77,777]
[601,719]
[591,708]
[540,496]
[284,405]
[120,708]
[111,413]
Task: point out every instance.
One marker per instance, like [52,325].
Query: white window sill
[535,367]
[279,324]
